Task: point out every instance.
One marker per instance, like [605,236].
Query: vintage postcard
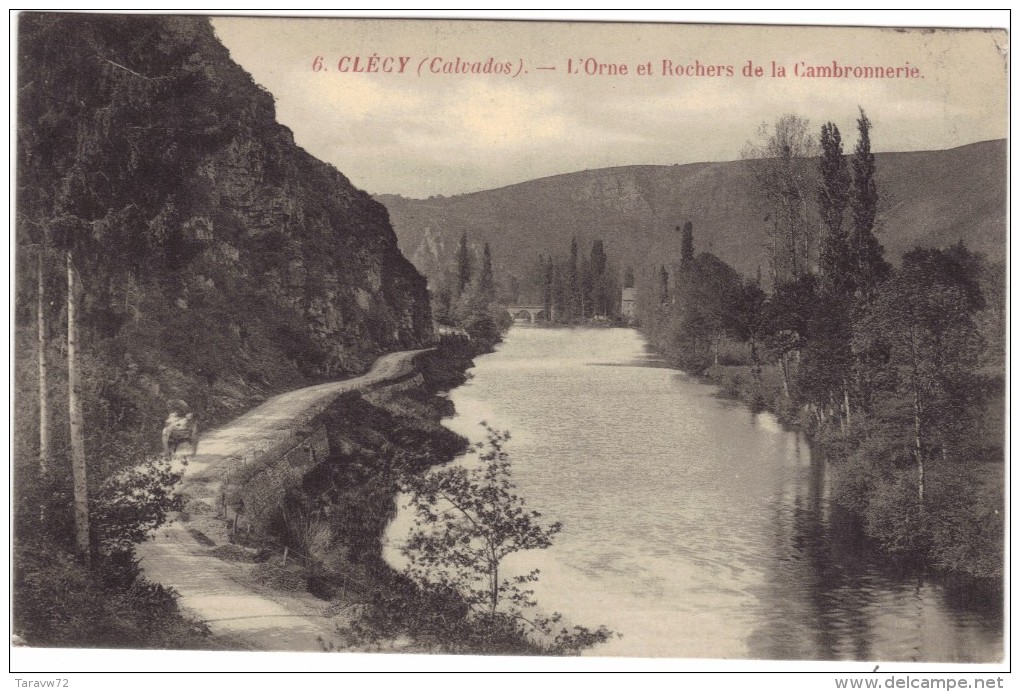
[619,340]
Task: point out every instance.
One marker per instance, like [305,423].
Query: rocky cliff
[220,261]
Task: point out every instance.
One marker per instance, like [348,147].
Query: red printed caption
[439,66]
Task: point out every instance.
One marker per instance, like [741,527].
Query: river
[691,525]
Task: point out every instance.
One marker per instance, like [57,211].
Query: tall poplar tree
[597,268]
[833,199]
[463,264]
[827,366]
[573,283]
[865,250]
[547,290]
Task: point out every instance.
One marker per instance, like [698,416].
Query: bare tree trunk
[78,470]
[44,423]
[494,574]
[755,363]
[918,448]
[794,273]
[846,402]
[918,451]
[774,249]
[786,375]
[132,297]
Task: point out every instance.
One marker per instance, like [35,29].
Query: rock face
[339,269]
[220,260]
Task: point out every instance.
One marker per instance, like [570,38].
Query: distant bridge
[528,313]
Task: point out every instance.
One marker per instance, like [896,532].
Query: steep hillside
[930,198]
[213,262]
[220,262]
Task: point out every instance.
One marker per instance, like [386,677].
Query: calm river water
[693,526]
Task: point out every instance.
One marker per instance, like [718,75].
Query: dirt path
[222,592]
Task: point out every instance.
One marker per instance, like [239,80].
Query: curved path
[221,592]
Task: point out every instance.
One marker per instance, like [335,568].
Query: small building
[627,303]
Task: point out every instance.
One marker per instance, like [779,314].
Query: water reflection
[691,525]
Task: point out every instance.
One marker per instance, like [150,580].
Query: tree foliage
[895,372]
[778,163]
[865,250]
[463,264]
[835,261]
[576,287]
[471,301]
[925,314]
[468,520]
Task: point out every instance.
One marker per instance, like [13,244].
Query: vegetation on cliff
[173,244]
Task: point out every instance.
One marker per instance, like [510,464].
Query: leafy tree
[926,315]
[586,298]
[135,501]
[748,321]
[776,162]
[533,284]
[707,293]
[788,314]
[442,304]
[468,521]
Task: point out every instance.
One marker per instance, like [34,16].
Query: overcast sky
[453,133]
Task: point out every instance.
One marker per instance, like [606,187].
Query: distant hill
[929,198]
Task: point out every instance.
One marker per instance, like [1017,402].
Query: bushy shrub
[60,602]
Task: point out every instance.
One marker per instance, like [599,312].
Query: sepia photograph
[587,340]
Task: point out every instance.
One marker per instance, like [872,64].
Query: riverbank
[873,481]
[279,546]
[589,323]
